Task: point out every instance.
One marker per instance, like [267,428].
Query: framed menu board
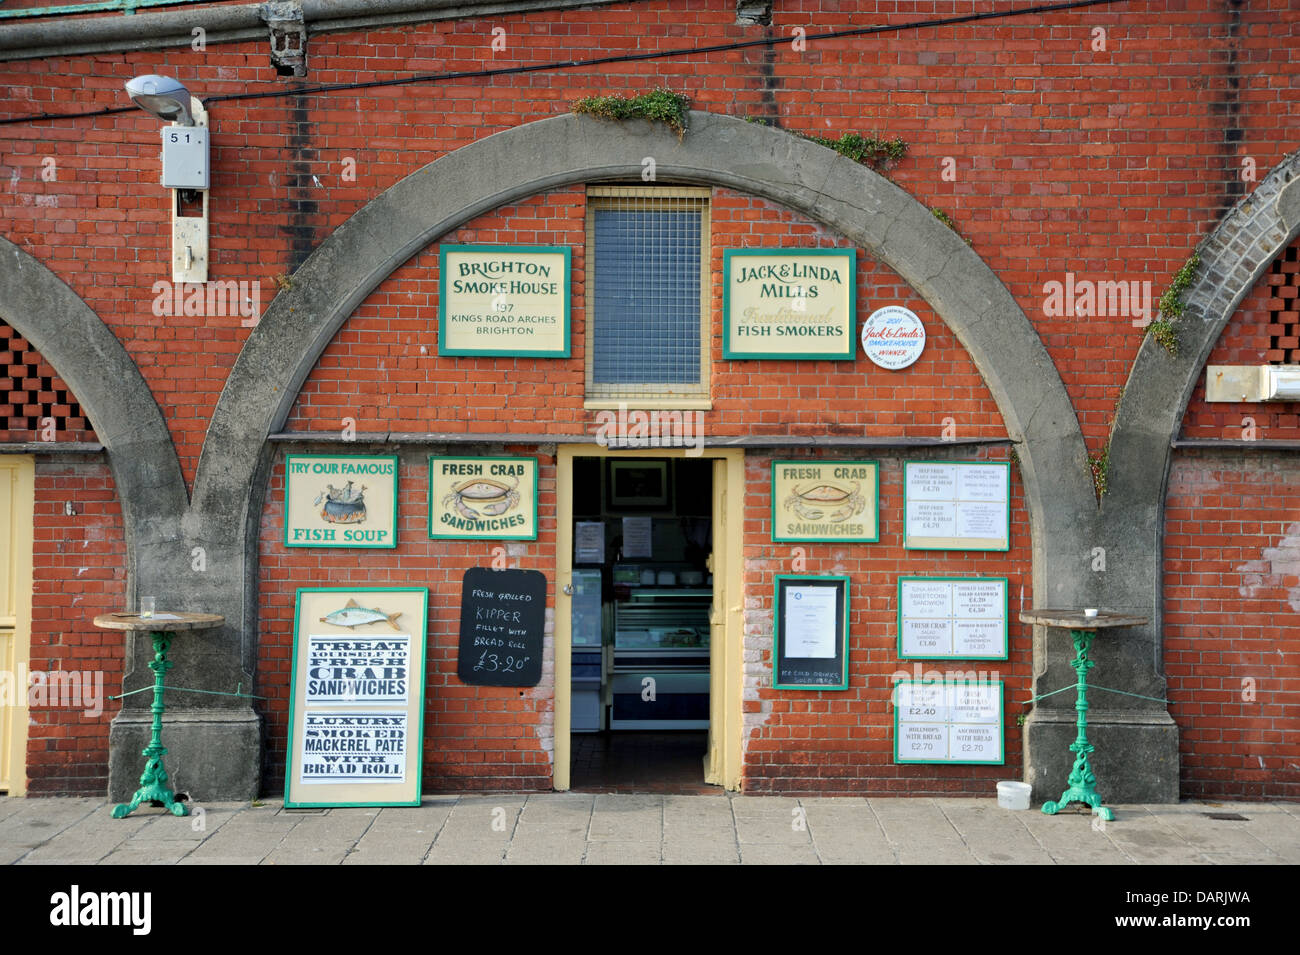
[949,722]
[810,646]
[356,697]
[962,618]
[957,505]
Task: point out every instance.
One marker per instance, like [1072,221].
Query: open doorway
[640,623]
[641,550]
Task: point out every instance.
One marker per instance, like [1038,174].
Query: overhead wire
[556,65]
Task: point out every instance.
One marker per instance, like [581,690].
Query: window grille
[30,393]
[647,298]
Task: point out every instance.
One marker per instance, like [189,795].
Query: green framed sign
[957,505]
[356,697]
[952,618]
[789,303]
[946,721]
[504,300]
[340,500]
[810,633]
[826,501]
[482,498]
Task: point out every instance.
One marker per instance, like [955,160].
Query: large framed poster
[789,303]
[480,498]
[356,697]
[826,501]
[959,618]
[957,505]
[810,633]
[340,500]
[503,300]
[949,722]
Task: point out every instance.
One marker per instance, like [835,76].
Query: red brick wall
[820,742]
[1108,163]
[475,737]
[1232,630]
[79,571]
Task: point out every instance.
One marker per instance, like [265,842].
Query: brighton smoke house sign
[503,300]
[893,337]
[789,303]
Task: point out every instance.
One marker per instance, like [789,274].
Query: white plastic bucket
[1013,795]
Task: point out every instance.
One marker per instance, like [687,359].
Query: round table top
[163,621]
[1075,619]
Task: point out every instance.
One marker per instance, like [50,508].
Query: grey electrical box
[185,157]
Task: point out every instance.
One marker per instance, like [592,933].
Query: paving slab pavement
[648,829]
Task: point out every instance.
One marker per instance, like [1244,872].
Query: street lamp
[184,167]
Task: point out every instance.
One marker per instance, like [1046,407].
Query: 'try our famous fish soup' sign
[340,500]
[789,303]
[482,498]
[357,697]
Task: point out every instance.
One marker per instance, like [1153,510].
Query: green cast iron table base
[153,783]
[1081,784]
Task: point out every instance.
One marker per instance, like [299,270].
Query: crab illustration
[481,497]
[825,501]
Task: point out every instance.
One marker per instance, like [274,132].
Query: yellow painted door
[16,532]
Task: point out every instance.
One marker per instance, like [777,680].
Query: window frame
[664,395]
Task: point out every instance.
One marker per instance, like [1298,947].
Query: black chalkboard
[502,615]
[805,672]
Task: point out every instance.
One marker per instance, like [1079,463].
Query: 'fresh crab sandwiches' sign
[483,498]
[333,500]
[825,501]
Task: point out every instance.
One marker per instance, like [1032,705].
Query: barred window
[647,297]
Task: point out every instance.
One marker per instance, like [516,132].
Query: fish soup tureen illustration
[346,505]
[482,497]
[826,500]
[352,614]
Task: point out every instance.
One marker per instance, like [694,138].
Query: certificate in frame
[810,633]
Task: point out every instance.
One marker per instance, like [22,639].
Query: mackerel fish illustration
[353,614]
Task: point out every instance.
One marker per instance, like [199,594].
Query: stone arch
[720,151]
[516,163]
[108,385]
[1233,257]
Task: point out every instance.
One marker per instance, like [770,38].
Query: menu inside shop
[948,722]
[957,618]
[957,505]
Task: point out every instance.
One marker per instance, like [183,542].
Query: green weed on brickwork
[1099,464]
[1172,306]
[658,106]
[872,151]
[947,220]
